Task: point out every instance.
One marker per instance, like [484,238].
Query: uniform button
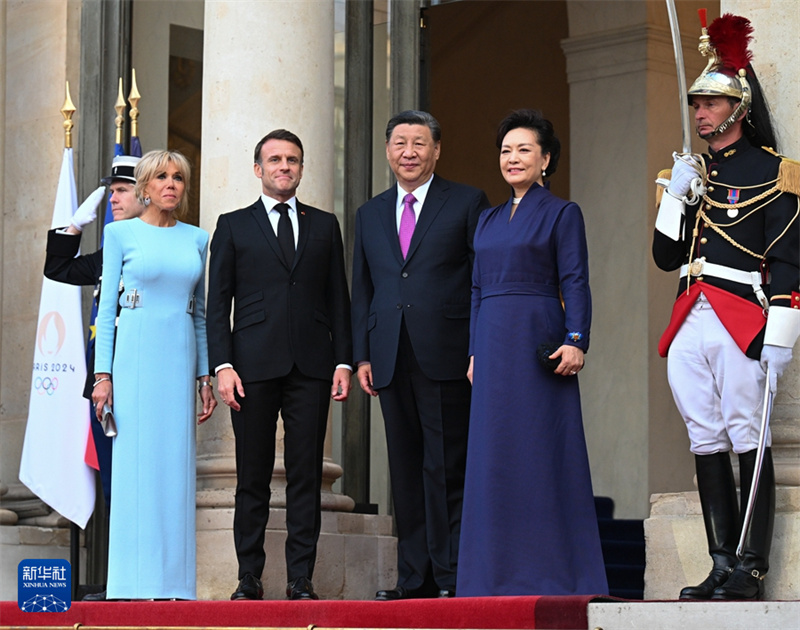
[708,206]
[714,173]
[399,306]
[705,225]
[405,274]
[699,278]
[703,240]
[710,189]
[408,305]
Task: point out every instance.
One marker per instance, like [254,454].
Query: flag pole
[67,111]
[119,107]
[133,99]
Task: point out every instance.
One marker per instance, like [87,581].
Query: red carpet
[479,612]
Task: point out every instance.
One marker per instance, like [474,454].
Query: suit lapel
[259,213]
[434,200]
[388,215]
[303,227]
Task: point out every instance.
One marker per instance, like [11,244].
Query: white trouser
[718,390]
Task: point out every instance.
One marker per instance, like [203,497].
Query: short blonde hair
[155,162]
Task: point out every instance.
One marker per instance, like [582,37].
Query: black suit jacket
[281,316]
[61,265]
[430,288]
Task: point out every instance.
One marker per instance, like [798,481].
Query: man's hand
[229,384]
[87,211]
[341,384]
[776,358]
[684,171]
[365,378]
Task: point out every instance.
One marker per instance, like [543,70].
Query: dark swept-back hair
[414,117]
[277,134]
[532,119]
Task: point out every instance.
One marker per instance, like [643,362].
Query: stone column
[624,125]
[280,77]
[39,52]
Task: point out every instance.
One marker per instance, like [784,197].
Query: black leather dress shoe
[249,588]
[741,585]
[446,593]
[301,588]
[705,589]
[95,597]
[392,594]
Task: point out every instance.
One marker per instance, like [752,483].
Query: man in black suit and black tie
[412,275]
[282,263]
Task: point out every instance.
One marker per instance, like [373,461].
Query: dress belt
[700,267]
[133,299]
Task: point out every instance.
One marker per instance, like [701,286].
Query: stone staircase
[623,546]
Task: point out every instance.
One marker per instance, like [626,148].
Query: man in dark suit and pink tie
[281,264]
[412,269]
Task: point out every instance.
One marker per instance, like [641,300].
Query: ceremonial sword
[762,444]
[697,189]
[686,128]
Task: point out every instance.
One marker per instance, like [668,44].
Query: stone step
[783,615]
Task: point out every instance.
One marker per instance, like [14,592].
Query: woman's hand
[571,360]
[470,368]
[102,394]
[207,398]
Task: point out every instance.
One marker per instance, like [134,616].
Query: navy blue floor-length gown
[529,525]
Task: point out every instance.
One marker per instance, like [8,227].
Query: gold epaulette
[788,173]
[665,174]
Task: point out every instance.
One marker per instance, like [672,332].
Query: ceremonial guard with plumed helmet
[728,220]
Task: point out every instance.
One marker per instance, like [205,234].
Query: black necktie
[285,233]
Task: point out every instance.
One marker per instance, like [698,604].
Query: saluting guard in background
[729,221]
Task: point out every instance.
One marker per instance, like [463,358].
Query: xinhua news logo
[44,586]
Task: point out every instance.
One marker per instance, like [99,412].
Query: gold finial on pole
[133,99]
[66,111]
[119,106]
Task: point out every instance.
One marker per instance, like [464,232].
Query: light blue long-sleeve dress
[160,350]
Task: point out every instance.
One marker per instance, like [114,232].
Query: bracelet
[100,380]
[203,384]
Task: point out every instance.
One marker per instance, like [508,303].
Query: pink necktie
[407,222]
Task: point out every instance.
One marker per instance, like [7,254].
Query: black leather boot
[717,489]
[747,579]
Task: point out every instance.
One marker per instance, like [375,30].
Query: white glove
[87,211]
[682,175]
[776,358]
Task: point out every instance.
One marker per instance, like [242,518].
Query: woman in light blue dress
[148,375]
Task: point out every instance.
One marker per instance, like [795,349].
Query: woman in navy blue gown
[529,525]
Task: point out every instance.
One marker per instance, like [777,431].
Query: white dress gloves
[685,171]
[87,211]
[776,358]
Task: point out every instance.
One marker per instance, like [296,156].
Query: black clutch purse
[543,353]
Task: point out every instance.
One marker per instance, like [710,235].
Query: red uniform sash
[741,318]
